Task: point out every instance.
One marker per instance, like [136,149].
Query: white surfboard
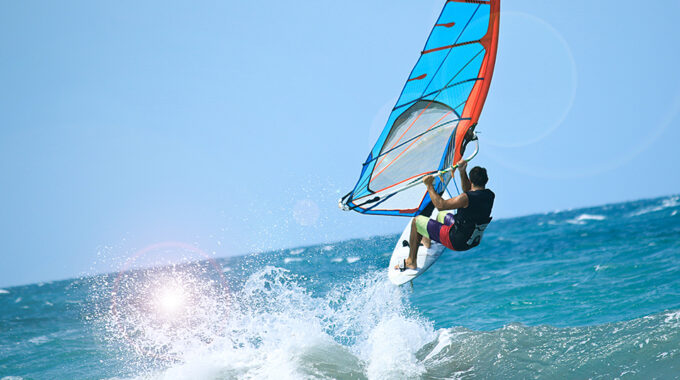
[426,257]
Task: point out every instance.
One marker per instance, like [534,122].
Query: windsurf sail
[435,116]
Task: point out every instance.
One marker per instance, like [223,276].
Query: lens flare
[171,300]
[179,296]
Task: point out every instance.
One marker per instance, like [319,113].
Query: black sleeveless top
[471,221]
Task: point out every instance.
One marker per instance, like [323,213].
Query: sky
[235,126]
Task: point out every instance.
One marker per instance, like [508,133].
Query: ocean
[592,293]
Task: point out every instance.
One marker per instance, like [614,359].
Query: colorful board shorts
[437,230]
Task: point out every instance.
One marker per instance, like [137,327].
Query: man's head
[478,176]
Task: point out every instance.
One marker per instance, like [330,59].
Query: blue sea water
[589,293]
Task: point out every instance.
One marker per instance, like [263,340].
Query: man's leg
[418,232]
[427,242]
[443,217]
[446,217]
[427,211]
[413,243]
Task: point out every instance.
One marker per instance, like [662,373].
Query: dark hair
[478,176]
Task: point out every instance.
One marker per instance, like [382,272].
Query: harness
[471,222]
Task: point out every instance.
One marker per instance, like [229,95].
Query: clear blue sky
[237,125]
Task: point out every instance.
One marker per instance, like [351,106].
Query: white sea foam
[672,317]
[462,374]
[671,202]
[336,260]
[353,259]
[392,355]
[274,328]
[288,260]
[296,251]
[590,217]
[327,248]
[581,219]
[3,291]
[443,340]
[18,300]
[39,340]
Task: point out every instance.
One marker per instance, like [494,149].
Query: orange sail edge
[480,90]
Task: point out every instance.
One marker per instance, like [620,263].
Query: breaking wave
[274,327]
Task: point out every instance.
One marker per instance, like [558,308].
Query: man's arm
[464,180]
[460,201]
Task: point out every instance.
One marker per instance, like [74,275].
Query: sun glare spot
[170,300]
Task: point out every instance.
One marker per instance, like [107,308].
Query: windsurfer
[458,231]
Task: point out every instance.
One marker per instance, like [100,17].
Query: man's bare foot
[407,265]
[426,242]
[410,264]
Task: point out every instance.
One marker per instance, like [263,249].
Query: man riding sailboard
[412,162]
[458,231]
